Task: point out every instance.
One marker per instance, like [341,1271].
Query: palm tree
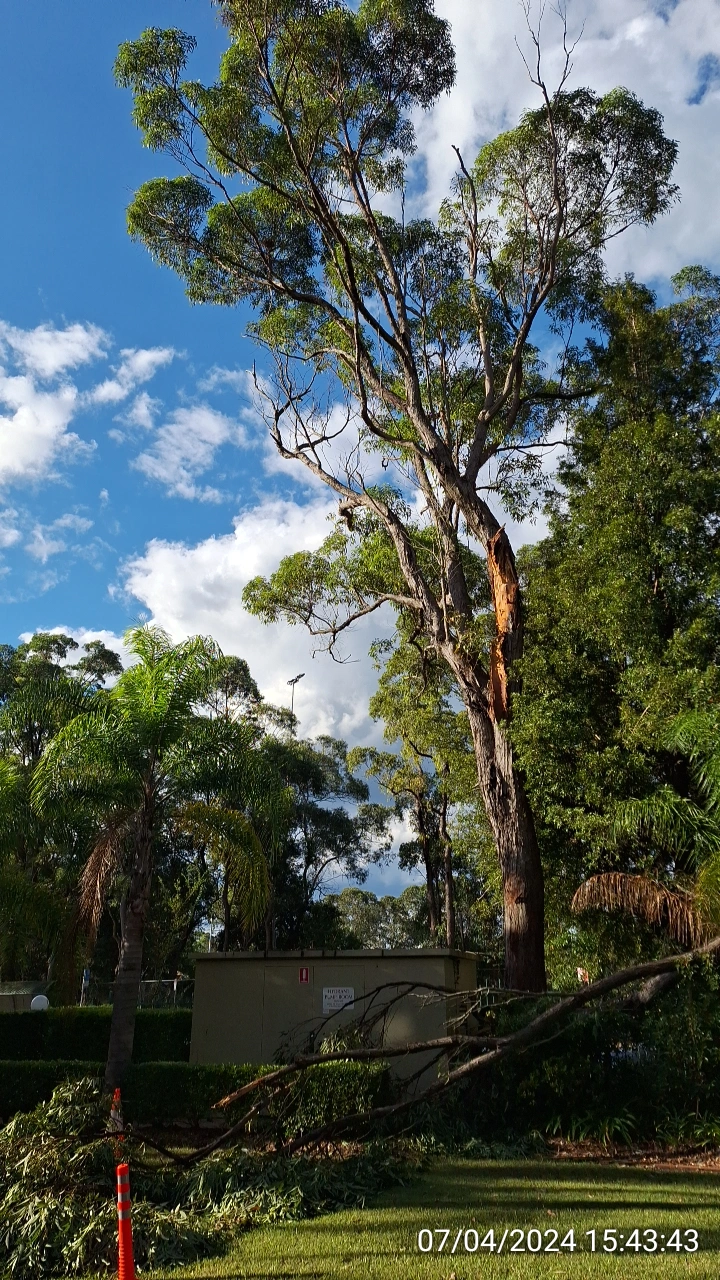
[132,762]
[683,894]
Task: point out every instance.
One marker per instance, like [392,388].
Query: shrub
[161,1035]
[333,1089]
[57,1191]
[162,1092]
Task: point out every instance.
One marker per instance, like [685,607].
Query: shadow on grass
[515,1190]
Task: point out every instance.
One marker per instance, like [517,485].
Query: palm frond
[97,875]
[696,735]
[675,910]
[88,763]
[232,840]
[707,889]
[677,824]
[223,758]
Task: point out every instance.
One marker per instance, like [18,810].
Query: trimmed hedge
[82,1035]
[163,1092]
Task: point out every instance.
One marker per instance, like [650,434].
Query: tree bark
[430,886]
[448,876]
[129,970]
[512,824]
[226,911]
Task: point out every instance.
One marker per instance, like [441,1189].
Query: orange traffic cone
[126,1266]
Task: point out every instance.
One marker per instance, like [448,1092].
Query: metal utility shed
[15,997]
[251,1007]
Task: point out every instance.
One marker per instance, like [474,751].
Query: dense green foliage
[54,1226]
[334,829]
[158,1093]
[40,856]
[622,601]
[616,1078]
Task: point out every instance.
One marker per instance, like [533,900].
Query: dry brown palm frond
[675,910]
[96,876]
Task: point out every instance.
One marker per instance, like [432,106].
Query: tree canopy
[399,344]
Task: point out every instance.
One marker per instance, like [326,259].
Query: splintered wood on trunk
[507,642]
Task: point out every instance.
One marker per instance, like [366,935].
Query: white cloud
[46,352]
[184,447]
[42,544]
[34,434]
[191,589]
[44,540]
[237,379]
[654,49]
[142,411]
[78,524]
[9,534]
[136,366]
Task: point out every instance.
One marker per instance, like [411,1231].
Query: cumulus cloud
[191,589]
[136,366]
[34,433]
[43,544]
[45,352]
[142,411]
[184,447]
[236,379]
[39,399]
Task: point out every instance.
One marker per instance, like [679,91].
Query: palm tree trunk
[129,970]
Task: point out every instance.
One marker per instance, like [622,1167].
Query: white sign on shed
[335,998]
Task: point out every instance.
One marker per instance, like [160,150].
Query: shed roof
[416,953]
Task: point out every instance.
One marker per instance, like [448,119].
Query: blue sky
[134,473]
[71,160]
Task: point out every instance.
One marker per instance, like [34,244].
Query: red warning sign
[304,976]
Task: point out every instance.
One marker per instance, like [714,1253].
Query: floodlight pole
[292,684]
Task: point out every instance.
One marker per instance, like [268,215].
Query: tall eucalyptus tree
[401,348]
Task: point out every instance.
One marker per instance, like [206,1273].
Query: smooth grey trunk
[226,911]
[512,824]
[430,884]
[129,971]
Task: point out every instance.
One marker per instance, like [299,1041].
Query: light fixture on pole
[292,683]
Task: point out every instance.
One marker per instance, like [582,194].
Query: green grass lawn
[382,1240]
